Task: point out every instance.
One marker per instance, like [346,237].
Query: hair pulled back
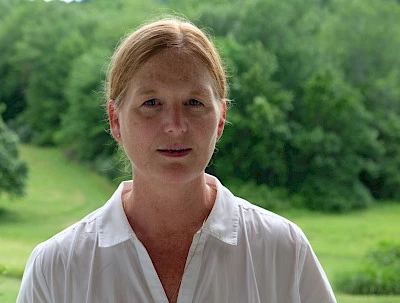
[148,40]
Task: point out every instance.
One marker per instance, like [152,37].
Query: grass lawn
[340,241]
[60,193]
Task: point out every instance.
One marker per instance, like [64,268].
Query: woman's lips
[175,152]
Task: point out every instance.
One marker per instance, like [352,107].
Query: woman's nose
[175,121]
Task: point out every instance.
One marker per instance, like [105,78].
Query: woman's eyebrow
[202,92]
[144,91]
[198,91]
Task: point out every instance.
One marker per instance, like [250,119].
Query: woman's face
[170,118]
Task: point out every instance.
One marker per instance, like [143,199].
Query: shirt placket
[190,276]
[152,279]
[192,268]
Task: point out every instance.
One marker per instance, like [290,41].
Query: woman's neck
[157,209]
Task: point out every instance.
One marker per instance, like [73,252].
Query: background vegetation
[315,116]
[378,274]
[13,171]
[314,83]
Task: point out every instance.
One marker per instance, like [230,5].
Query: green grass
[341,241]
[60,193]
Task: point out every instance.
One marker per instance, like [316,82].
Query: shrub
[25,132]
[8,272]
[379,274]
[322,194]
[13,171]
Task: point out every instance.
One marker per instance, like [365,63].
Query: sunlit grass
[367,299]
[8,289]
[340,241]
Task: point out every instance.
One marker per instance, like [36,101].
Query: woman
[173,233]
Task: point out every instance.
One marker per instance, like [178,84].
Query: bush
[322,194]
[13,171]
[25,132]
[379,274]
[8,272]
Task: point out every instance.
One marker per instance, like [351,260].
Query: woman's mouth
[175,152]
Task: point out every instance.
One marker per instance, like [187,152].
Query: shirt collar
[222,223]
[113,225]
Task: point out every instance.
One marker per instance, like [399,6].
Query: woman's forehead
[174,60]
[169,66]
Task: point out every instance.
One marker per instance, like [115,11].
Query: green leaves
[83,124]
[314,84]
[379,272]
[13,171]
[312,111]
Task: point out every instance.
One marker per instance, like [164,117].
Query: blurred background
[314,130]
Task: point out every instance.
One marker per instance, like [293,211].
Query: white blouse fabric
[244,254]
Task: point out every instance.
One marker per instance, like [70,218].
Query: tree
[368,56]
[13,171]
[253,148]
[6,6]
[50,60]
[333,142]
[14,76]
[316,107]
[83,132]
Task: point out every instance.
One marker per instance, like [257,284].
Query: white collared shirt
[244,254]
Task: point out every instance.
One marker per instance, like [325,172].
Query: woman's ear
[114,121]
[222,119]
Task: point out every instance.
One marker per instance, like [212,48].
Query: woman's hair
[148,40]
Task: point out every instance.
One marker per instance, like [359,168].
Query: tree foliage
[329,145]
[314,84]
[13,171]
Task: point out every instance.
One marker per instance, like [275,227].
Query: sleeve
[34,288]
[314,286]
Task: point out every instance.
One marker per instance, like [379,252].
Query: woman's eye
[151,102]
[194,102]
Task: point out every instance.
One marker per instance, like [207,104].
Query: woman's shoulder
[266,223]
[60,245]
[257,222]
